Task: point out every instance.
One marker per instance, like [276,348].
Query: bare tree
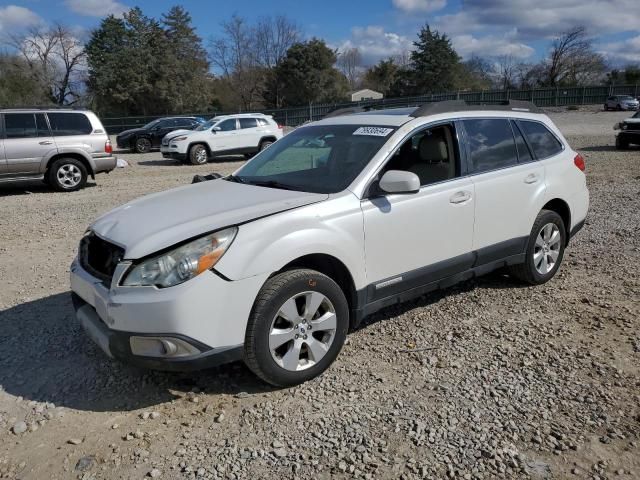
[56,57]
[350,64]
[507,68]
[572,59]
[235,57]
[273,37]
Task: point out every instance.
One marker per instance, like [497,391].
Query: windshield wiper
[271,184]
[233,178]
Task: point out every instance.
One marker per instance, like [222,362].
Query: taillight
[107,147]
[280,127]
[579,162]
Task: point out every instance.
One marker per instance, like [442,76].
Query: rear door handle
[531,178]
[460,197]
[46,142]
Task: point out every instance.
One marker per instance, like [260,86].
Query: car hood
[157,221]
[131,131]
[176,133]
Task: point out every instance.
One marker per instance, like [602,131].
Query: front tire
[142,145]
[621,144]
[198,155]
[545,250]
[297,327]
[67,175]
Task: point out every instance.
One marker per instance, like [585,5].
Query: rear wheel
[264,144]
[545,249]
[143,145]
[198,155]
[297,327]
[67,175]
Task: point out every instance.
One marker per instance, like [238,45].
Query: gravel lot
[489,379]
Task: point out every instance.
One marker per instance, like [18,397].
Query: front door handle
[531,178]
[460,197]
[46,142]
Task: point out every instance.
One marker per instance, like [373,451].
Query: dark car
[629,132]
[143,139]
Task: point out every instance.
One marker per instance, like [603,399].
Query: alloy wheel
[547,248]
[69,176]
[302,331]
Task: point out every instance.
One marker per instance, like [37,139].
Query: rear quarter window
[542,141]
[66,124]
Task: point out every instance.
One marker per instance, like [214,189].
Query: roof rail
[351,110]
[52,107]
[448,106]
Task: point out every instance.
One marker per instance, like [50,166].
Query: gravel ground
[489,379]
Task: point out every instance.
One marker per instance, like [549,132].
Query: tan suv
[61,147]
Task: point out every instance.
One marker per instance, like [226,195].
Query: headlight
[182,263]
[624,126]
[178,139]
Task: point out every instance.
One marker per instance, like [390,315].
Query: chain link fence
[295,116]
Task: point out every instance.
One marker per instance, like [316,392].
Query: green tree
[632,74]
[307,75]
[19,85]
[434,62]
[381,76]
[188,90]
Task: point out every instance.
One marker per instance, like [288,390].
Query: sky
[381,28]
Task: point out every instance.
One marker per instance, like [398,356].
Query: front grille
[632,126]
[99,257]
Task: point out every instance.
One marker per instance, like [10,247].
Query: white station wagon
[275,263]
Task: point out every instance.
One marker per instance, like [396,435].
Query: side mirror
[399,181]
[216,129]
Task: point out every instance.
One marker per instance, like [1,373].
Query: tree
[507,71]
[273,37]
[573,60]
[188,58]
[350,64]
[475,74]
[308,76]
[19,86]
[381,76]
[434,62]
[56,58]
[236,58]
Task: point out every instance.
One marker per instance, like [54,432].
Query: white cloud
[13,17]
[411,6]
[96,8]
[626,51]
[491,46]
[375,43]
[542,19]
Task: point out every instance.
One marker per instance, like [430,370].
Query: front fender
[333,227]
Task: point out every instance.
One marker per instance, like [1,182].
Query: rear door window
[542,141]
[66,124]
[248,123]
[491,144]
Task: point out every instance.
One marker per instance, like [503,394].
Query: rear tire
[142,145]
[198,155]
[264,144]
[67,175]
[545,250]
[297,327]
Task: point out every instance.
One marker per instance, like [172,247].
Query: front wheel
[297,327]
[198,155]
[545,249]
[621,144]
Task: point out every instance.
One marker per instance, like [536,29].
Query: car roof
[395,117]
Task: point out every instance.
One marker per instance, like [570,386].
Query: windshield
[636,115]
[151,124]
[626,97]
[206,125]
[318,159]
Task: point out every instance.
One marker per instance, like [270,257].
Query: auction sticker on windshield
[373,131]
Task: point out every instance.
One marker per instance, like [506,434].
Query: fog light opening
[161,347]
